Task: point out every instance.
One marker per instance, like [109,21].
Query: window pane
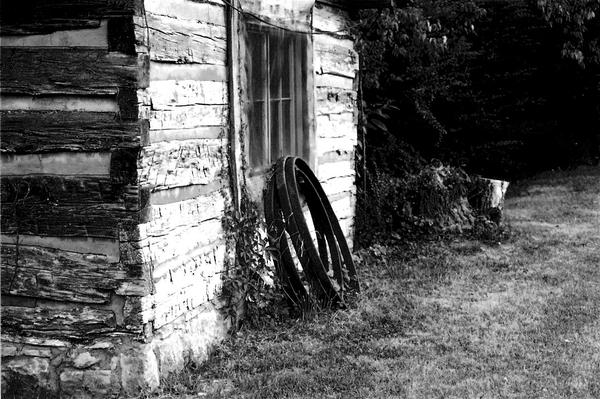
[277,74]
[257,68]
[275,110]
[257,133]
[275,47]
[287,63]
[289,135]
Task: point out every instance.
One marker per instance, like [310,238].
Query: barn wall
[336,111]
[71,303]
[183,166]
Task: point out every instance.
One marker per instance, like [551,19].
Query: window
[278,109]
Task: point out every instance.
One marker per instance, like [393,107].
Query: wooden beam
[85,245]
[33,131]
[204,11]
[67,219]
[69,322]
[27,17]
[178,164]
[184,41]
[61,71]
[48,273]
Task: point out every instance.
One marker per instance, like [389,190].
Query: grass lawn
[456,318]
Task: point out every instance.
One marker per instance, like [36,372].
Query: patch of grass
[516,316]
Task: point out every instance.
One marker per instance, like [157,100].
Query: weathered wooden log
[167,94]
[191,212]
[66,220]
[58,189]
[178,164]
[63,71]
[30,131]
[28,17]
[68,322]
[335,56]
[69,190]
[335,101]
[207,11]
[333,80]
[332,21]
[63,276]
[189,117]
[182,41]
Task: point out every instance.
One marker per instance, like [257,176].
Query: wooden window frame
[301,141]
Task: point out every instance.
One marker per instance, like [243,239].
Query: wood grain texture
[334,81]
[66,220]
[61,190]
[90,246]
[26,17]
[166,94]
[188,285]
[330,20]
[177,164]
[65,276]
[204,11]
[335,101]
[162,251]
[335,56]
[183,41]
[187,117]
[191,212]
[71,322]
[61,71]
[29,131]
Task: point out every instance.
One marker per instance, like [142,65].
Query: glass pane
[275,129]
[275,47]
[289,136]
[287,56]
[257,53]
[257,133]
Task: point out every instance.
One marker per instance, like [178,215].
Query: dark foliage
[501,88]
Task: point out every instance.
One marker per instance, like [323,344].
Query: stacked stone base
[111,366]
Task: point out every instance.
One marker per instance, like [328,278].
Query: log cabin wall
[114,121]
[336,110]
[183,166]
[115,178]
[71,300]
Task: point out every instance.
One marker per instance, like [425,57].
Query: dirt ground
[514,316]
